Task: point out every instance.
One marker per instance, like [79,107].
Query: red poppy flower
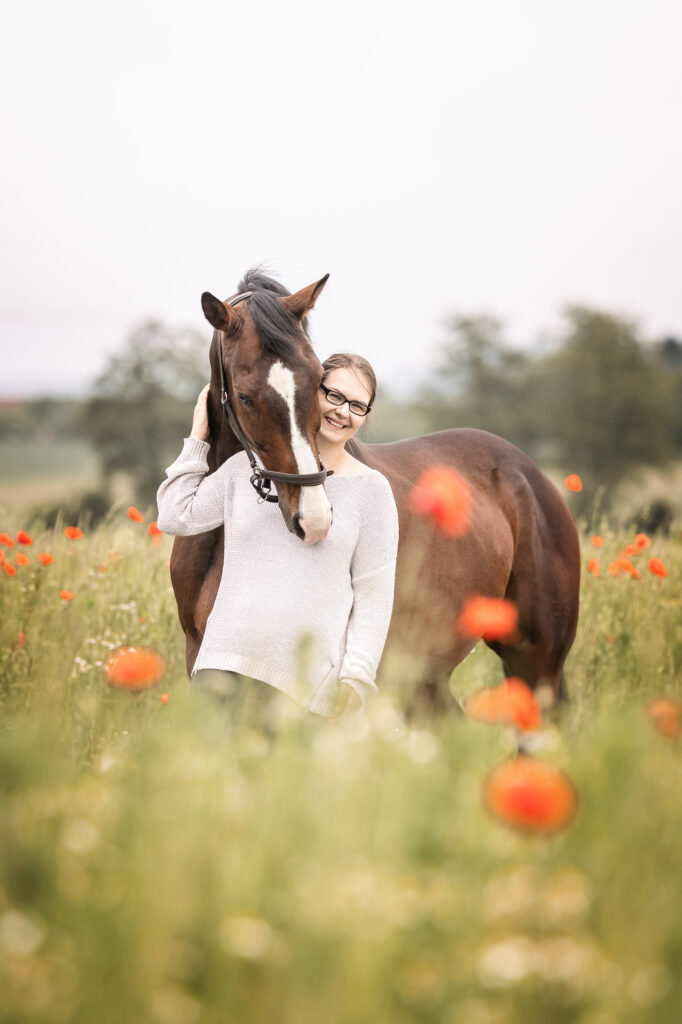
[6,540]
[573,482]
[512,702]
[21,639]
[73,532]
[625,565]
[21,559]
[442,495]
[666,717]
[596,541]
[164,698]
[657,568]
[134,668]
[135,514]
[530,795]
[66,595]
[153,530]
[9,569]
[593,566]
[491,618]
[631,549]
[45,558]
[24,538]
[642,541]
[615,569]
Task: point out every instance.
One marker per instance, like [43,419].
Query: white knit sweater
[303,618]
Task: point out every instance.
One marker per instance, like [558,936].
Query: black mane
[277,327]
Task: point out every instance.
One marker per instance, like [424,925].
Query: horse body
[522,544]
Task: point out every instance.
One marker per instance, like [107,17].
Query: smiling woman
[294,572]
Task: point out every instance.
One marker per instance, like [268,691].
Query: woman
[312,622]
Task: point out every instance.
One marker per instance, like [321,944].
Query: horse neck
[221,438]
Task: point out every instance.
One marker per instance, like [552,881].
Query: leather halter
[261,478]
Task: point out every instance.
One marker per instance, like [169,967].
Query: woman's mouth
[335,424]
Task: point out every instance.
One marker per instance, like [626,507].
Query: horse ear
[220,316]
[300,303]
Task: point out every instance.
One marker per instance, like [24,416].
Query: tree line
[599,400]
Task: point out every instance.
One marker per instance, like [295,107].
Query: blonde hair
[350,361]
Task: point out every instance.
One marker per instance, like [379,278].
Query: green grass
[160,863]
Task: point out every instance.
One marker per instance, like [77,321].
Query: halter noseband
[261,478]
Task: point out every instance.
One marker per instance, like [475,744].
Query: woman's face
[339,424]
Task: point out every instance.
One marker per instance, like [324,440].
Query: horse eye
[245,400]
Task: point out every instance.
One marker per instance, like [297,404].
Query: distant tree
[606,398]
[669,353]
[141,405]
[481,381]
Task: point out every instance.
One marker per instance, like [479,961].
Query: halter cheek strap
[261,478]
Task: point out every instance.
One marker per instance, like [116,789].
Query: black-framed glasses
[336,398]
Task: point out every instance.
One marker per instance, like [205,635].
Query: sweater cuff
[194,449]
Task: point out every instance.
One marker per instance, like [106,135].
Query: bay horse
[522,543]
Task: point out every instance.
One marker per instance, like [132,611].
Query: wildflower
[573,482]
[66,595]
[593,566]
[24,538]
[442,495]
[512,703]
[492,618]
[615,569]
[153,530]
[626,566]
[134,668]
[20,640]
[642,541]
[135,514]
[9,569]
[666,716]
[21,559]
[657,567]
[6,540]
[596,541]
[164,698]
[631,549]
[73,532]
[530,795]
[45,558]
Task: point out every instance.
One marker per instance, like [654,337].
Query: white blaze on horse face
[314,508]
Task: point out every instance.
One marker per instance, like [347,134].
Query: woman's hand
[200,421]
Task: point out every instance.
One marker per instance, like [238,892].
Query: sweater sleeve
[373,579]
[191,500]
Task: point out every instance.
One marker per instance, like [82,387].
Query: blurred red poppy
[642,541]
[596,541]
[615,569]
[24,538]
[6,540]
[135,514]
[21,639]
[164,698]
[66,595]
[626,566]
[45,558]
[73,532]
[21,559]
[593,566]
[9,569]
[573,482]
[134,668]
[442,495]
[153,530]
[512,703]
[530,795]
[666,717]
[492,618]
[657,568]
[631,549]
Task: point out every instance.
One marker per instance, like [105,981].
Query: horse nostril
[298,529]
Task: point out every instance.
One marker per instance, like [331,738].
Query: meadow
[161,863]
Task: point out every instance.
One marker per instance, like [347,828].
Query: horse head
[272,377]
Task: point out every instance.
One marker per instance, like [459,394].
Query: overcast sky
[432,157]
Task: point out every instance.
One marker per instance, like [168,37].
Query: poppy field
[164,862]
